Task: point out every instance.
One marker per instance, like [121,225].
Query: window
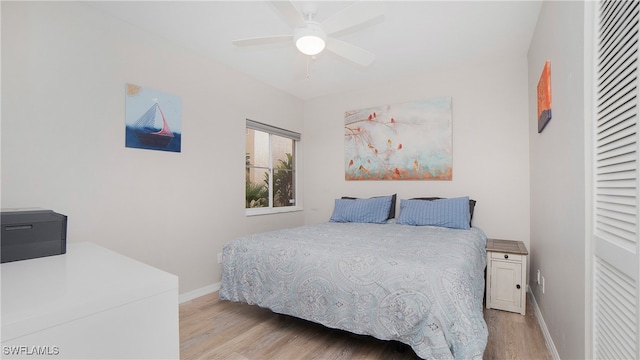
[270,169]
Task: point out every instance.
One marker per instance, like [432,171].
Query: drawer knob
[518,286]
[506,256]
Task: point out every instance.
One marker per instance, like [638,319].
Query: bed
[419,285]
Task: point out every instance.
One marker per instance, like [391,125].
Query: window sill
[267,211]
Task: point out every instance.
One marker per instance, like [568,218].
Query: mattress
[420,285]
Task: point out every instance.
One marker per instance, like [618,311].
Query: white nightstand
[506,275]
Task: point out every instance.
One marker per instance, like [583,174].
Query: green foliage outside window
[283,182]
[257,194]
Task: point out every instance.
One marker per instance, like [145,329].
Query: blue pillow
[450,213]
[374,210]
[392,209]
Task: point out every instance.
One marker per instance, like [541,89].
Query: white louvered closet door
[615,231]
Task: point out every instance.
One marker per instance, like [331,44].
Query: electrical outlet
[219,258]
[543,284]
[538,277]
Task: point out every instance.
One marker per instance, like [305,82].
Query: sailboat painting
[153,119]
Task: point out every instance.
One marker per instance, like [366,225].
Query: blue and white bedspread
[419,285]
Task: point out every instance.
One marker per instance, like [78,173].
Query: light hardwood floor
[213,329]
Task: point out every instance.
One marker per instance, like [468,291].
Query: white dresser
[88,303]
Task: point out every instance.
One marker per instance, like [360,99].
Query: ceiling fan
[312,37]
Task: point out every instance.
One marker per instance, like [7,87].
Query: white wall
[558,239]
[64,69]
[490,144]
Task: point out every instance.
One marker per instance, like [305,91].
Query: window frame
[273,130]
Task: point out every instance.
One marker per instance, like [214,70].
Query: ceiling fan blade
[354,15]
[276,39]
[289,13]
[350,52]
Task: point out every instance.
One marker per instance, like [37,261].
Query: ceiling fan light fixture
[310,40]
[310,45]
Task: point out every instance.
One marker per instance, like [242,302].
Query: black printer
[31,234]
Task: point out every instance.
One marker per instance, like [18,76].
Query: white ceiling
[412,37]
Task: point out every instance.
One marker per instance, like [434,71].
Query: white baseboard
[543,326]
[198,292]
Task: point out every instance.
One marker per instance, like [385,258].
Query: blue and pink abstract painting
[153,119]
[409,141]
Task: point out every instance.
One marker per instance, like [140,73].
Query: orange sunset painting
[544,97]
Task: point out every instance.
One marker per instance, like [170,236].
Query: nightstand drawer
[506,256]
